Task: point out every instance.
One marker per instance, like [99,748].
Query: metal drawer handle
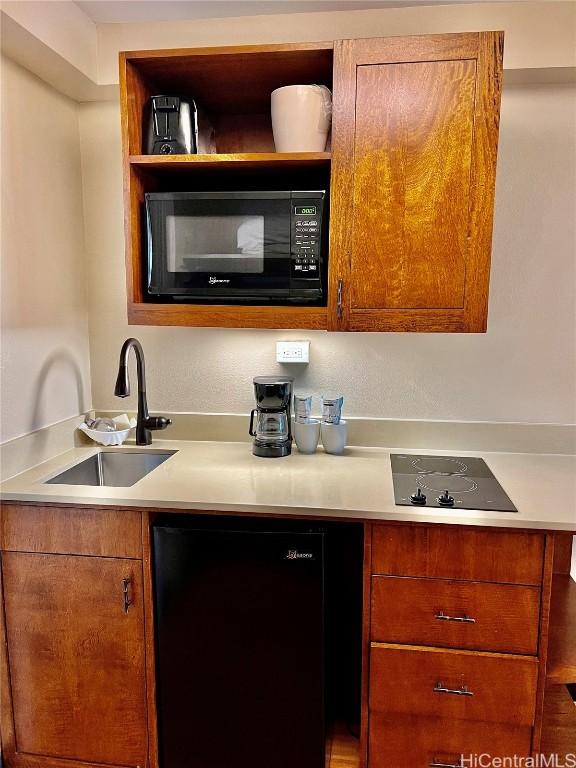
[339,300]
[462,619]
[462,691]
[126,595]
[436,764]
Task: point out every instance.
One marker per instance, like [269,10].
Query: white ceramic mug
[334,436]
[301,117]
[306,435]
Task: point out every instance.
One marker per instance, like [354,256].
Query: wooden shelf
[244,160]
[226,316]
[559,727]
[342,749]
[561,667]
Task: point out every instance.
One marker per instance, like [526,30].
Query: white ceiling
[117,11]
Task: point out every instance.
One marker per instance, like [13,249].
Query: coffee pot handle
[251,428]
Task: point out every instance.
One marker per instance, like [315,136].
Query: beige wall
[538,34]
[45,374]
[523,369]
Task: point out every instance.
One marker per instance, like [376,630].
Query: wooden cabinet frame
[486,49]
[249,156]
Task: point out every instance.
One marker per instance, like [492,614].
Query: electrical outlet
[292,351]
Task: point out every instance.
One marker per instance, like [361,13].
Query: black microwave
[236,247]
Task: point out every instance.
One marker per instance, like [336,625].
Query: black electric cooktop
[452,482]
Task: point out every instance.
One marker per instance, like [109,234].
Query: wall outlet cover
[292,351]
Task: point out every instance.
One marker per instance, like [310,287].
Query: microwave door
[220,248]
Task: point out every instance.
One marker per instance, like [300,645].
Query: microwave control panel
[306,236]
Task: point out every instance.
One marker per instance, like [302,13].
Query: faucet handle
[157,422]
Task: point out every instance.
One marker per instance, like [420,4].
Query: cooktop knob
[418,497]
[446,500]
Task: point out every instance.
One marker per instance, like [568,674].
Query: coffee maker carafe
[270,421]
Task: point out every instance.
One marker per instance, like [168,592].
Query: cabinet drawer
[478,615]
[447,552]
[415,742]
[459,685]
[71,531]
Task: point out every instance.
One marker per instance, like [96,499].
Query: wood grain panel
[545,603]
[562,639]
[240,160]
[403,678]
[70,530]
[418,742]
[443,47]
[418,171]
[502,617]
[341,185]
[559,732]
[76,657]
[450,552]
[221,316]
[483,179]
[414,129]
[342,749]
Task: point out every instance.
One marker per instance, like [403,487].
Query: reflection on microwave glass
[215,244]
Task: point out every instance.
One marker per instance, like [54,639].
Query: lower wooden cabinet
[425,742]
[456,685]
[455,614]
[75,642]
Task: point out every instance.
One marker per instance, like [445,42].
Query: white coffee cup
[334,437]
[301,117]
[307,434]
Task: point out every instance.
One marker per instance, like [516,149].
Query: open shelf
[561,667]
[342,748]
[245,160]
[559,726]
[232,87]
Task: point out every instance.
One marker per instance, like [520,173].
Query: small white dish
[117,437]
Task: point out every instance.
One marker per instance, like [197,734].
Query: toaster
[178,127]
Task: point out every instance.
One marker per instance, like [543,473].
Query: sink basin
[112,468]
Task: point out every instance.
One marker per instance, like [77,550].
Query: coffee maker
[270,424]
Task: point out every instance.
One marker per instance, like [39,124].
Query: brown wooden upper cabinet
[411,172]
[413,168]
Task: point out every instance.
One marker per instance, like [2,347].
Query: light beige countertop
[226,477]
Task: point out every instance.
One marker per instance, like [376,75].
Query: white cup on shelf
[301,117]
[306,435]
[334,437]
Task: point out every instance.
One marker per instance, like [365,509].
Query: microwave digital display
[305,210]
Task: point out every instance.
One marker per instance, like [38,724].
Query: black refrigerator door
[240,648]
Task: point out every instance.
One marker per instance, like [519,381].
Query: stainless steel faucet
[145,423]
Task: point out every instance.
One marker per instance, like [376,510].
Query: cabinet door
[76,657]
[414,158]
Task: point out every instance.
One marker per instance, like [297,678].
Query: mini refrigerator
[239,615]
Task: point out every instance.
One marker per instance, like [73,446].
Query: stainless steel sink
[112,468]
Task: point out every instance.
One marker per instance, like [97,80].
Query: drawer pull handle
[462,691]
[436,764]
[126,594]
[441,616]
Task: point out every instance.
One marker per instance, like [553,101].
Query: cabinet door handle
[339,305]
[441,616]
[436,764]
[462,691]
[126,583]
